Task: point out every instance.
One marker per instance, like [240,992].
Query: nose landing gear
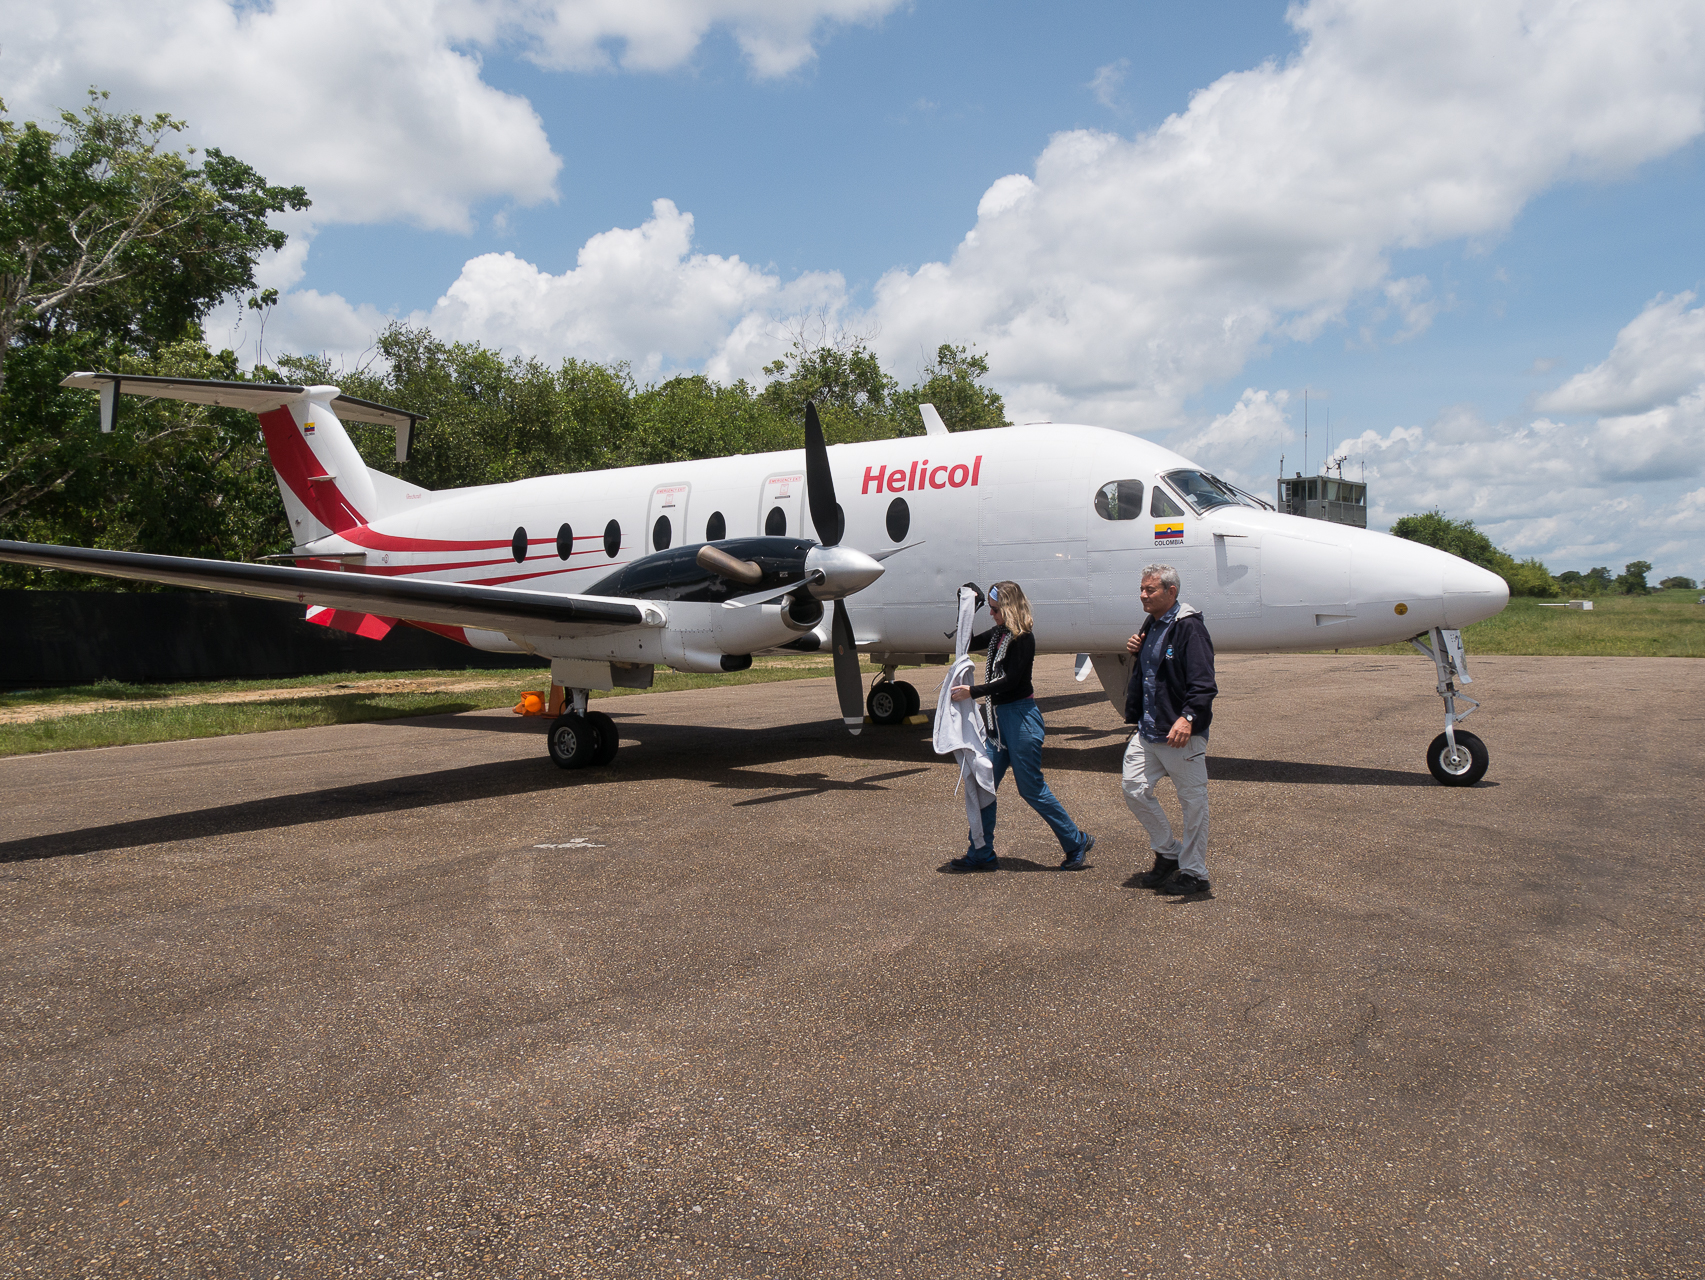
[1456,757]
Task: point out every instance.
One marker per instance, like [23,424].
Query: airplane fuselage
[1016,503]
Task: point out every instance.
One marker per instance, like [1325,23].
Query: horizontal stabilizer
[256,397]
[456,604]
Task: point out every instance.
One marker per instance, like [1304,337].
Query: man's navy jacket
[1185,678]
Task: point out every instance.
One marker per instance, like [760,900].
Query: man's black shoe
[1076,861]
[991,863]
[1186,884]
[1162,871]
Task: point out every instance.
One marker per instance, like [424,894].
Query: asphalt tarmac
[404,999]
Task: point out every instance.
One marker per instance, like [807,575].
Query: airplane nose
[1472,594]
[844,571]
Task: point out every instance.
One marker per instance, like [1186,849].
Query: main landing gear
[891,700]
[579,737]
[1456,757]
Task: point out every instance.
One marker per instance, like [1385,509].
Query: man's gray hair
[1166,573]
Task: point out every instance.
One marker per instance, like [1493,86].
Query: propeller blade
[826,513]
[811,578]
[849,684]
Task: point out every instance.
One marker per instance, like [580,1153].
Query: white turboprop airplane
[700,565]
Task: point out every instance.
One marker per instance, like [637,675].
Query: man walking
[1171,701]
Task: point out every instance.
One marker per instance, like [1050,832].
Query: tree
[1632,580]
[103,230]
[112,250]
[953,384]
[843,378]
[1679,583]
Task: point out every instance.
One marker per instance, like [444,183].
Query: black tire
[912,700]
[886,703]
[1467,769]
[609,738]
[571,741]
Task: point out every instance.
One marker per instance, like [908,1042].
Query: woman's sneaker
[990,863]
[1075,861]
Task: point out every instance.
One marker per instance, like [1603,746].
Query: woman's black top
[1009,672]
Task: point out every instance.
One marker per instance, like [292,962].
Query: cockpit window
[1119,500]
[1203,491]
[1163,505]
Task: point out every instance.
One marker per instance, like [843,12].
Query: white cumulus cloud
[776,36]
[637,294]
[379,107]
[371,106]
[1658,358]
[1131,272]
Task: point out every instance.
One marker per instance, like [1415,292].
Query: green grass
[1665,624]
[320,703]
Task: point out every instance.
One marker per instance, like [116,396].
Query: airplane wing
[455,604]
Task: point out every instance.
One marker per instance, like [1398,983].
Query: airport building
[1325,498]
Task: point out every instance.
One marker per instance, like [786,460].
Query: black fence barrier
[52,638]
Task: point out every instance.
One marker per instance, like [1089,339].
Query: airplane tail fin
[326,486]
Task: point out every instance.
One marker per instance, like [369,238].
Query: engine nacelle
[802,613]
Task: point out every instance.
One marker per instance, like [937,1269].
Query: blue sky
[1469,229]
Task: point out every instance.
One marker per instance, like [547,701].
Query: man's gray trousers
[1146,763]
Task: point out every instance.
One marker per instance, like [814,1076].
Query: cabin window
[518,545]
[612,539]
[1119,500]
[776,523]
[1205,492]
[716,528]
[1162,506]
[661,534]
[899,519]
[564,542]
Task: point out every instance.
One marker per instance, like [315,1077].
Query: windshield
[1203,491]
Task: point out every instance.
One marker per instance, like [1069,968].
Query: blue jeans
[1021,747]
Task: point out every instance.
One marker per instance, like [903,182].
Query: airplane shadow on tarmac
[725,758]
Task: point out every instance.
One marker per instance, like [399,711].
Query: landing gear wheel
[887,703]
[609,738]
[571,741]
[1463,769]
[912,702]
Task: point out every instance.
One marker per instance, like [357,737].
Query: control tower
[1325,498]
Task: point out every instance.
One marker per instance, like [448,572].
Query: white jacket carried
[959,729]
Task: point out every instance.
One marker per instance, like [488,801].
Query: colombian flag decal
[1168,533]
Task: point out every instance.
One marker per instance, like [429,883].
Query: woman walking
[1015,727]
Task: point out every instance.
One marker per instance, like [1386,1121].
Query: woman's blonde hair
[1014,607]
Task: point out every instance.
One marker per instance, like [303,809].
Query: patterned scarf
[993,670]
